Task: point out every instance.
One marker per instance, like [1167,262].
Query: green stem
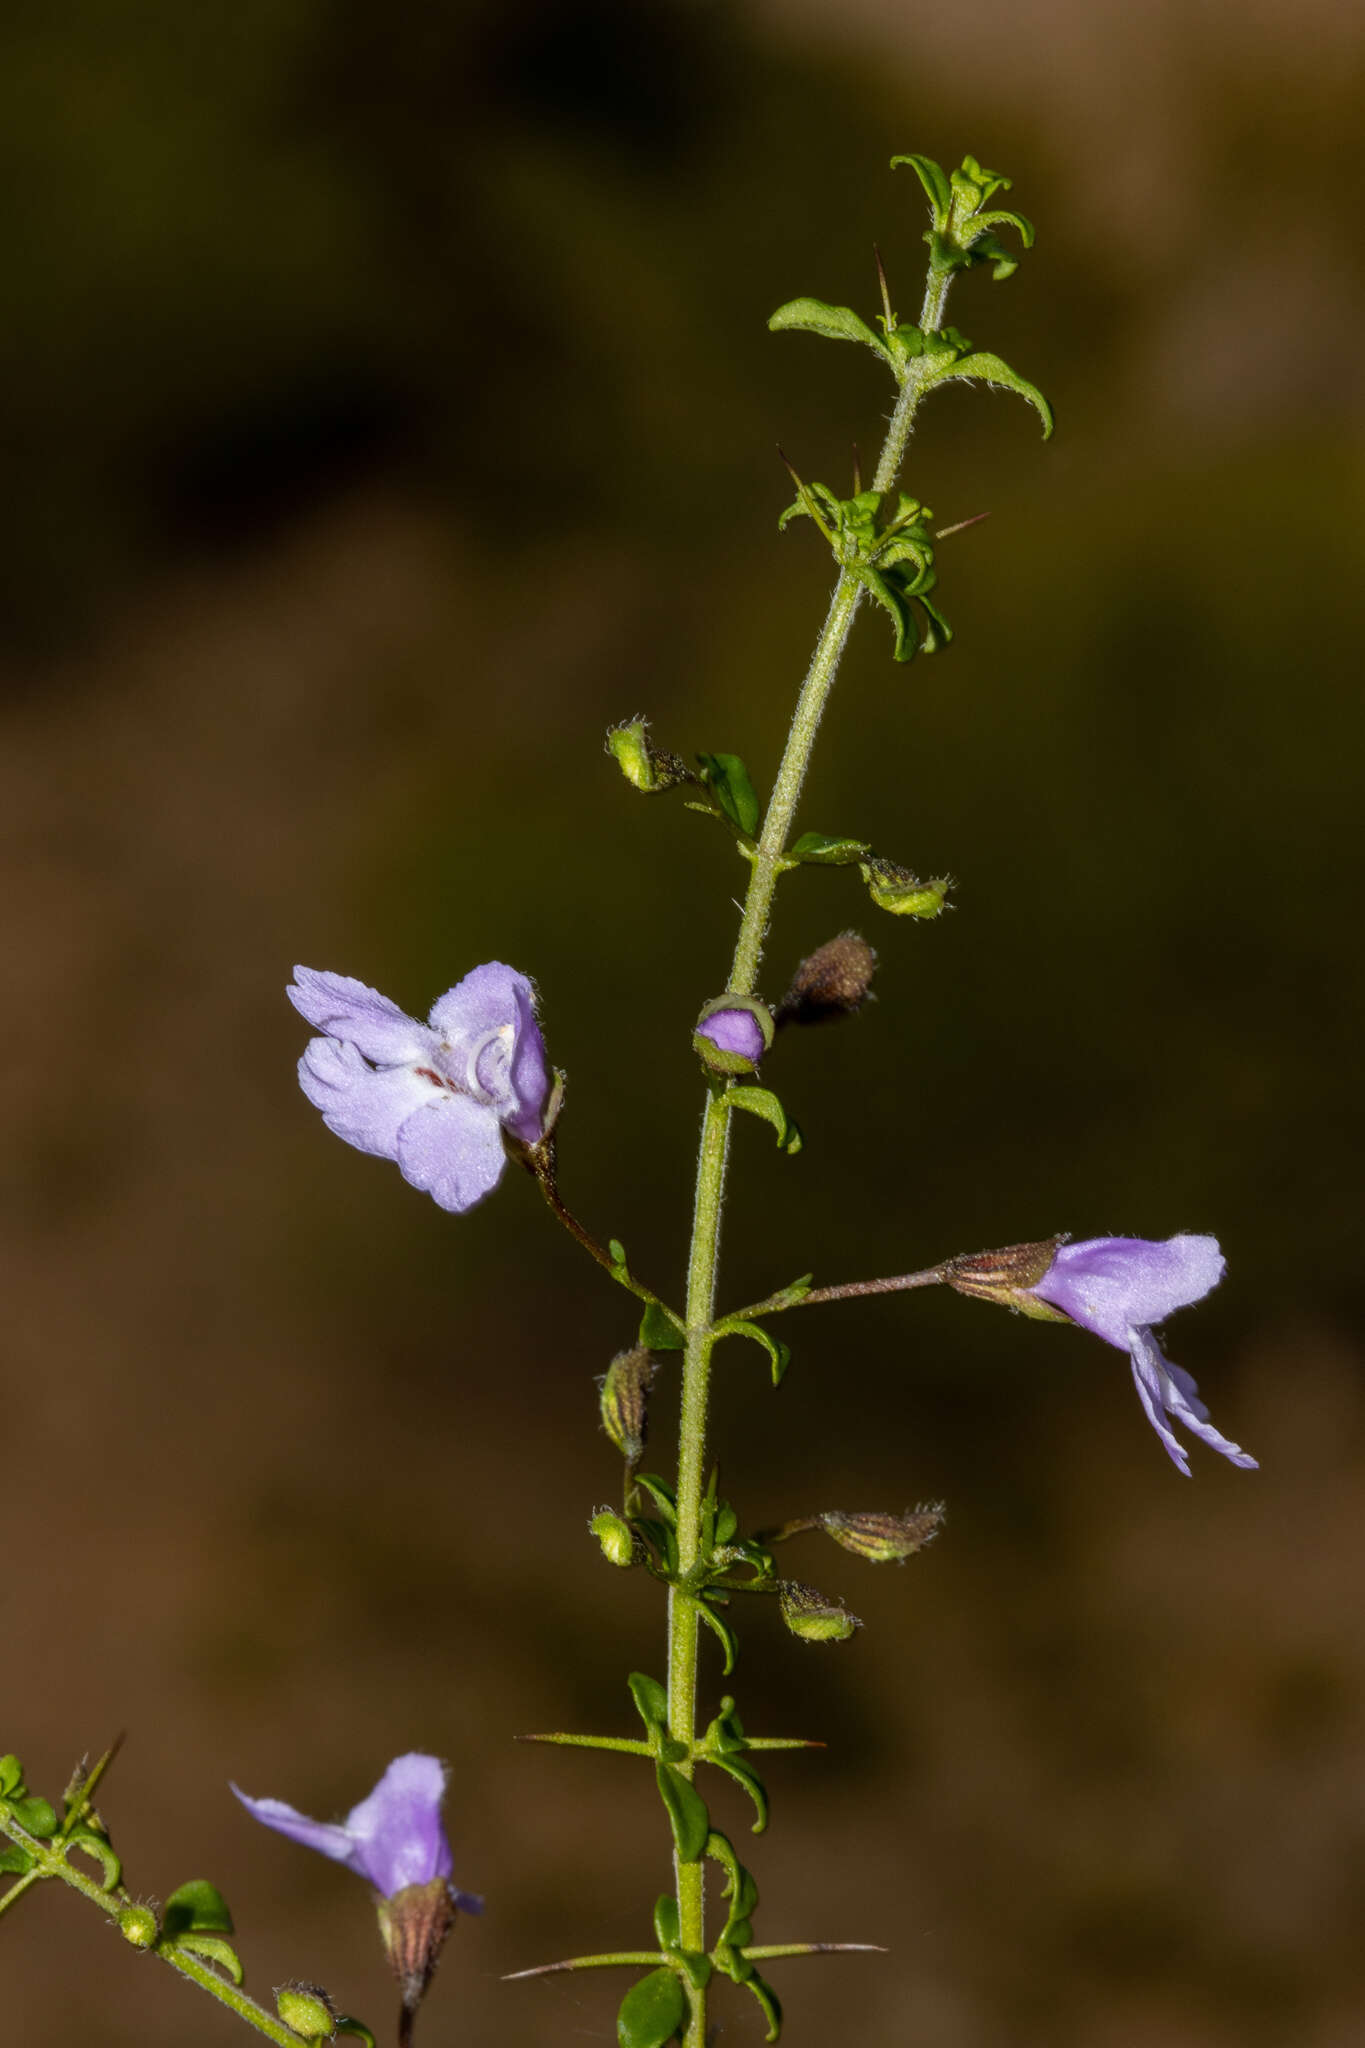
[51,1863]
[709,1202]
[18,1888]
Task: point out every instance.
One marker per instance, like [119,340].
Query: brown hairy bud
[884,1539]
[625,1401]
[834,981]
[1007,1276]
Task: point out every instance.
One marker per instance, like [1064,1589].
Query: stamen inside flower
[488,1063]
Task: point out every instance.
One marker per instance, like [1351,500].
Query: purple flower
[732,1034]
[394,1838]
[1118,1287]
[437,1096]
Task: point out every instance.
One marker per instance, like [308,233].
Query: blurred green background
[387,407]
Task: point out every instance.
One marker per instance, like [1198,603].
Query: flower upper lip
[374,1073]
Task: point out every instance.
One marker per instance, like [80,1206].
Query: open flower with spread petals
[1118,1288]
[435,1097]
[394,1838]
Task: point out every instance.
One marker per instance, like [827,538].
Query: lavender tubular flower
[1118,1287]
[394,1838]
[434,1097]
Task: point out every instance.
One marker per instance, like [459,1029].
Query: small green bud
[625,1401]
[616,1538]
[896,889]
[732,1034]
[884,1539]
[307,2011]
[646,767]
[834,981]
[813,1616]
[1007,1276]
[137,1925]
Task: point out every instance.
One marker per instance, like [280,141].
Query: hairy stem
[709,1201]
[52,1863]
[895,1283]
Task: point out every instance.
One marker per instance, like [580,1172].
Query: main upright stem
[703,1258]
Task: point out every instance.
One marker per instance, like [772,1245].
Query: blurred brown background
[388,406]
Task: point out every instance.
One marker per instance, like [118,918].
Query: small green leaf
[762,1102]
[727,1523]
[35,1816]
[938,632]
[788,1297]
[836,323]
[1008,219]
[659,1330]
[697,1968]
[726,1732]
[745,1775]
[661,1494]
[778,1352]
[726,776]
[213,1949]
[770,2003]
[14,1860]
[897,608]
[723,1632]
[994,370]
[661,1536]
[818,850]
[666,1923]
[11,1776]
[652,2011]
[99,1851]
[197,1907]
[651,1702]
[348,2025]
[934,180]
[686,1812]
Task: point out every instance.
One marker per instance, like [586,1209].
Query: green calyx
[307,2011]
[645,766]
[896,889]
[615,1537]
[885,539]
[813,1616]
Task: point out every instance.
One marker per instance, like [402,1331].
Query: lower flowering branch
[138,1926]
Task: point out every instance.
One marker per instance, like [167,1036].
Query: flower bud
[137,1925]
[414,1923]
[625,1401]
[1007,1276]
[307,2011]
[732,1034]
[813,1616]
[884,1538]
[834,981]
[615,1536]
[644,766]
[896,889]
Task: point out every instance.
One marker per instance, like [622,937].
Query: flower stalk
[704,1255]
